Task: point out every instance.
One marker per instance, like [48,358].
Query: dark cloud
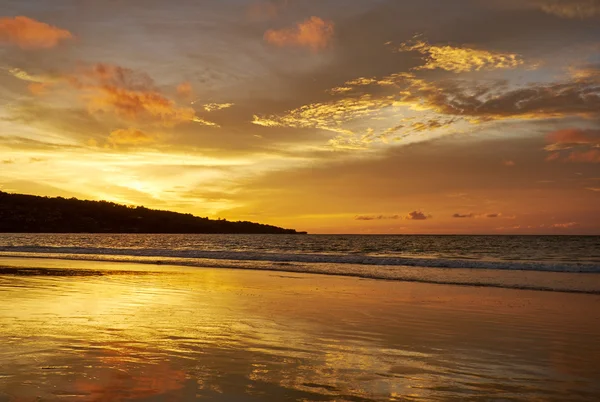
[417,216]
[377,217]
[470,215]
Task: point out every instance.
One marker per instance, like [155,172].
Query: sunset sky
[330,116]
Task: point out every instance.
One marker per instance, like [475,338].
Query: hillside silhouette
[21,213]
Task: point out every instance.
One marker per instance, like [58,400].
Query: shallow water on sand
[92,331]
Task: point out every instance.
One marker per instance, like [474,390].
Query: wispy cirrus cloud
[28,33]
[314,33]
[434,105]
[460,59]
[571,8]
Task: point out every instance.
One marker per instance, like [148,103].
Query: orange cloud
[137,105]
[31,34]
[39,88]
[125,93]
[585,142]
[314,33]
[129,136]
[185,90]
[574,136]
[591,156]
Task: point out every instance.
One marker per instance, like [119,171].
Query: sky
[327,116]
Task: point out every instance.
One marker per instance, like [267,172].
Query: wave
[356,259]
[510,279]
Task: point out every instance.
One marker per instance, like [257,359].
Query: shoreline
[471,277]
[108,329]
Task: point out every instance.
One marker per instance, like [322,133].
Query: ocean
[558,263]
[298,318]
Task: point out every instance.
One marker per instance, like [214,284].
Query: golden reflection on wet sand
[94,331]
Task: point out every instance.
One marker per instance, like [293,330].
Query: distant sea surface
[554,263]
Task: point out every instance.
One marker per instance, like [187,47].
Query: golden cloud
[587,72]
[211,107]
[572,8]
[460,60]
[129,136]
[436,105]
[25,76]
[28,33]
[314,33]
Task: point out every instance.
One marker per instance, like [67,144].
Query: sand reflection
[117,332]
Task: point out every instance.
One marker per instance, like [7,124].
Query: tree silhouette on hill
[21,213]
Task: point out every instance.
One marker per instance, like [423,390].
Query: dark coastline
[20,213]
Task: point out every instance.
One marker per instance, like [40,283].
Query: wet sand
[96,331]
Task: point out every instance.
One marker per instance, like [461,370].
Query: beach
[113,331]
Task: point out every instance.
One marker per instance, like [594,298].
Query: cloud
[411,216]
[211,107]
[595,189]
[591,156]
[28,33]
[127,94]
[266,9]
[437,104]
[314,33]
[25,76]
[460,59]
[573,136]
[377,217]
[417,216]
[509,163]
[8,162]
[581,146]
[585,72]
[572,8]
[185,90]
[328,115]
[129,136]
[567,225]
[464,216]
[473,215]
[39,88]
